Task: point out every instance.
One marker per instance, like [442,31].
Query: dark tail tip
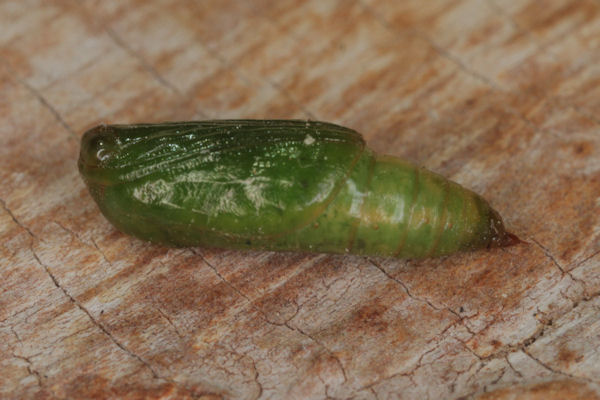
[505,239]
[510,239]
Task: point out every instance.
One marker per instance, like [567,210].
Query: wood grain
[502,97]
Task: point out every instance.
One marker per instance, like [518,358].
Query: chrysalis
[282,185]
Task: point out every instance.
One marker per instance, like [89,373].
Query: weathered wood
[502,97]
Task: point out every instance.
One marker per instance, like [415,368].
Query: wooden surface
[502,97]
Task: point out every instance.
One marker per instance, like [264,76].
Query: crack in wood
[521,346]
[80,240]
[45,103]
[557,371]
[443,52]
[516,371]
[321,344]
[241,355]
[403,285]
[169,321]
[478,76]
[20,312]
[542,48]
[15,220]
[586,259]
[109,86]
[233,287]
[256,376]
[557,264]
[31,369]
[117,39]
[100,251]
[524,345]
[267,320]
[459,318]
[92,319]
[59,80]
[409,374]
[372,390]
[246,298]
[14,332]
[145,64]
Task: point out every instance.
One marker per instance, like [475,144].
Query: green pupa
[280,185]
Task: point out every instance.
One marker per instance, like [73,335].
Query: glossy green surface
[277,185]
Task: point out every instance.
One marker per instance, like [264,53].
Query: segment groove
[416,191]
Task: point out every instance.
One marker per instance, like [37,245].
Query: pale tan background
[501,96]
